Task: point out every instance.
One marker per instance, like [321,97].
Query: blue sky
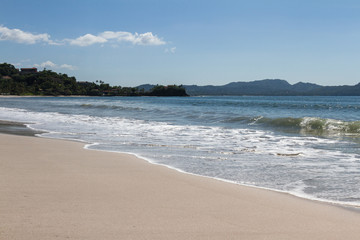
[132,42]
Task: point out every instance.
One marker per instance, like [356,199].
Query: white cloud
[117,37]
[67,66]
[86,40]
[20,36]
[136,39]
[45,64]
[148,39]
[50,64]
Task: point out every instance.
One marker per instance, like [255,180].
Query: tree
[7,69]
[171,90]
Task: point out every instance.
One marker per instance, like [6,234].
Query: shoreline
[57,189]
[347,206]
[21,129]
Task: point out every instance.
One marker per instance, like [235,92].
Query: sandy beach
[54,189]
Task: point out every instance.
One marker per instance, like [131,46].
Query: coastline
[57,189]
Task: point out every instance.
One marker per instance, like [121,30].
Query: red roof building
[28,70]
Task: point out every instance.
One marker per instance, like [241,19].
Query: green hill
[48,83]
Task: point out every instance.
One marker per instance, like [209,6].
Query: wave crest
[311,125]
[330,125]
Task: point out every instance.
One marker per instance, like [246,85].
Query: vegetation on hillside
[166,91]
[49,83]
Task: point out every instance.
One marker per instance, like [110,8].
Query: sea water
[306,146]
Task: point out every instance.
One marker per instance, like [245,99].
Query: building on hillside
[28,70]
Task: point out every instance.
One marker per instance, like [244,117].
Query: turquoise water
[306,146]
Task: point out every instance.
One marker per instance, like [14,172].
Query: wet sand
[16,128]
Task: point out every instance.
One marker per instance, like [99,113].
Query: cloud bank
[19,36]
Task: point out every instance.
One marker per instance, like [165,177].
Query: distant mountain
[338,91]
[269,87]
[260,87]
[305,87]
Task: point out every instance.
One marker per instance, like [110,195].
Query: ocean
[305,146]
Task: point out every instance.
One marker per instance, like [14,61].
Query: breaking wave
[311,125]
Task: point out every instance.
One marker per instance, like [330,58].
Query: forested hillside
[48,83]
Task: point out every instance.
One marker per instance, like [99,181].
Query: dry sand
[53,189]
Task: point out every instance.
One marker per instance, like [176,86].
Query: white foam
[262,153]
